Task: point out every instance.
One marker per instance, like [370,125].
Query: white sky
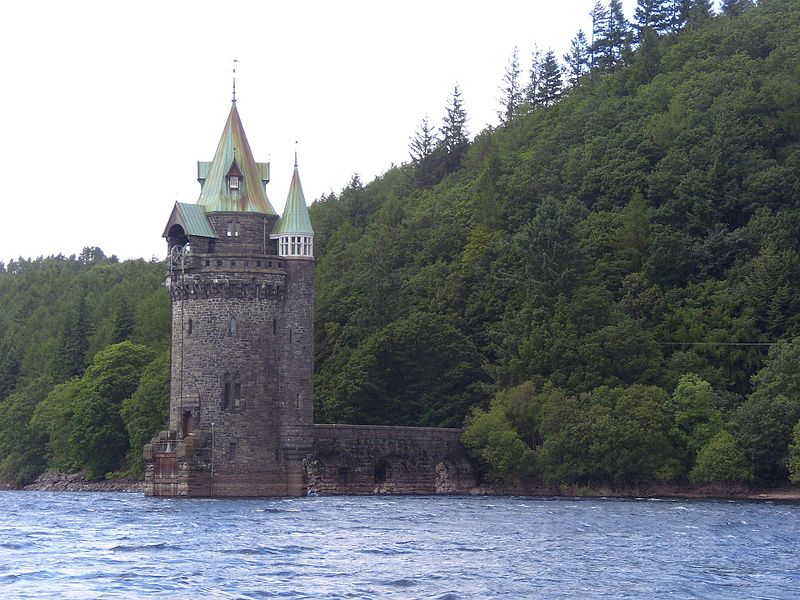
[105,107]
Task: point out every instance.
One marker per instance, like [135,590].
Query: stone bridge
[369,459]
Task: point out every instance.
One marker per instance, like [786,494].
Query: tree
[697,416]
[97,432]
[421,150]
[146,411]
[535,80]
[652,14]
[721,460]
[70,359]
[617,33]
[631,238]
[794,455]
[763,424]
[577,60]
[551,83]
[735,8]
[511,98]
[491,438]
[455,137]
[700,11]
[9,368]
[599,16]
[22,445]
[123,322]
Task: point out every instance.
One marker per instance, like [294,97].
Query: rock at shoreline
[75,482]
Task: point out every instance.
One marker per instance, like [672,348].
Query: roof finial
[295,154]
[235,60]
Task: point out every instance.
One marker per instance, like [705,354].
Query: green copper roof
[295,217]
[192,218]
[234,158]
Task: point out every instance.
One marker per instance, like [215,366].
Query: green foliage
[146,411]
[417,371]
[721,460]
[22,445]
[794,455]
[97,431]
[491,438]
[763,424]
[697,419]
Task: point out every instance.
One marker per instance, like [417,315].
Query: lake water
[102,545]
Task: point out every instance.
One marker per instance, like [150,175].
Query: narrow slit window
[191,323]
[232,451]
[226,391]
[233,327]
[237,395]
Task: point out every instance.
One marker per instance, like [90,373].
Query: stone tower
[242,290]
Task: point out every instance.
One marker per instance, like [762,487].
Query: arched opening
[454,476]
[396,475]
[176,236]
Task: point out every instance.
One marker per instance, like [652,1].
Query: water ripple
[123,545]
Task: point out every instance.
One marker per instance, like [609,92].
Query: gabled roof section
[216,194]
[295,219]
[192,218]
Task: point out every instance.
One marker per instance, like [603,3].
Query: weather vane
[295,153]
[235,60]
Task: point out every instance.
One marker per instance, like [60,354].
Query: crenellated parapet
[269,286]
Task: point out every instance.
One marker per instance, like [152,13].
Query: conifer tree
[679,13]
[617,34]
[700,11]
[532,99]
[734,8]
[70,358]
[551,83]
[654,14]
[599,16]
[421,149]
[512,90]
[123,322]
[577,60]
[455,137]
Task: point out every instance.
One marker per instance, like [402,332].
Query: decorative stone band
[271,287]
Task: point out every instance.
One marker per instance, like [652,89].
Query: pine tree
[700,11]
[618,32]
[654,14]
[455,137]
[70,358]
[512,91]
[734,8]
[599,17]
[679,13]
[551,86]
[577,59]
[123,322]
[535,81]
[421,149]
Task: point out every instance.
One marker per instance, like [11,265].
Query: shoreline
[75,482]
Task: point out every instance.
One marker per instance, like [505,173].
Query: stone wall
[368,459]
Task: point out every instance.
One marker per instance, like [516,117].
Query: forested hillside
[604,288]
[83,363]
[616,264]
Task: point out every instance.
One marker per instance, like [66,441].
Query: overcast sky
[106,107]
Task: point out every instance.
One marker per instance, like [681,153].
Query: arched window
[190,327]
[233,328]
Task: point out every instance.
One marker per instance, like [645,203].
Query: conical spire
[234,181]
[295,219]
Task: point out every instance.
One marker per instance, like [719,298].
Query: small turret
[293,230]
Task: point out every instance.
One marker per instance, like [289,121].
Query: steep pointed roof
[295,219]
[234,158]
